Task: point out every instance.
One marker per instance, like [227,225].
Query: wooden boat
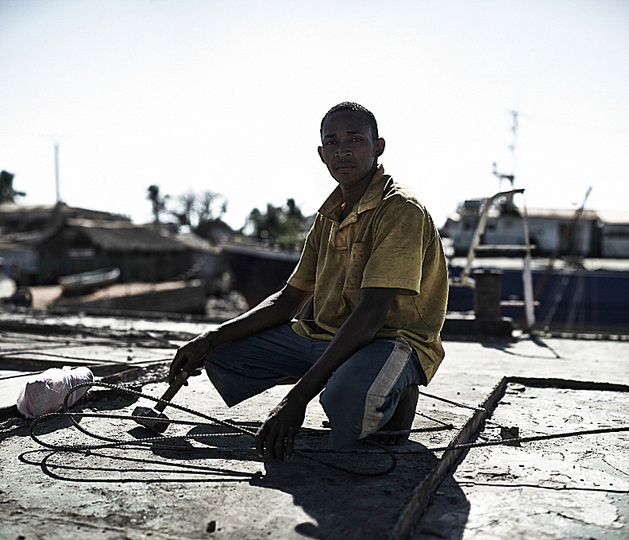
[85,282]
[139,299]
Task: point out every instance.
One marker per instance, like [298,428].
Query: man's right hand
[196,349]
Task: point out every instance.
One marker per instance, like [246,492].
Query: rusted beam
[423,493]
[425,490]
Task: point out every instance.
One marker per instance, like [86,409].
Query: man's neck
[353,194]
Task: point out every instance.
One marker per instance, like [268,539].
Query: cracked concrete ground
[217,487]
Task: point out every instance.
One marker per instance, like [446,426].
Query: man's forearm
[358,330]
[277,433]
[277,309]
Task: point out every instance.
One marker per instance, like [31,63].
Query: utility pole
[57,172]
[55,139]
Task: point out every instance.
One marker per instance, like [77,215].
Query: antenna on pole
[511,147]
[514,140]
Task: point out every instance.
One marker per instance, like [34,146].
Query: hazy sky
[227,96]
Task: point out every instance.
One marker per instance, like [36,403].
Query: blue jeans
[360,396]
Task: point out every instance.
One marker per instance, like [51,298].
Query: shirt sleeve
[304,275]
[397,250]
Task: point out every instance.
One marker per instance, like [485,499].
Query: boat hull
[571,300]
[86,282]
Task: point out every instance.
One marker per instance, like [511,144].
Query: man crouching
[371,286]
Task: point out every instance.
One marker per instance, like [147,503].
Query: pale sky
[227,96]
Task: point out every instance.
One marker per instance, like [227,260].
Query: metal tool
[158,421]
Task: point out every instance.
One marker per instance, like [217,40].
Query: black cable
[113,443]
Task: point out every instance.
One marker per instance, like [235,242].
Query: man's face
[348,148]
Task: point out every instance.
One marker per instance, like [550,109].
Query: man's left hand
[278,432]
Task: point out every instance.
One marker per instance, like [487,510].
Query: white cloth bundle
[45,394]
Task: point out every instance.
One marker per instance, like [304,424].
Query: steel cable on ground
[111,442]
[502,442]
[145,442]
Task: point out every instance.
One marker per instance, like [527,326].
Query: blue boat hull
[576,300]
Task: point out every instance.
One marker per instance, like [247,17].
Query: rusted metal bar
[424,491]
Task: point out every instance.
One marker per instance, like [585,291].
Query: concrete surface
[563,488]
[218,488]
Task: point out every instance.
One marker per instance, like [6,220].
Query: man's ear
[320,150]
[380,147]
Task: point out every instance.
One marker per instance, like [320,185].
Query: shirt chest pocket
[358,257]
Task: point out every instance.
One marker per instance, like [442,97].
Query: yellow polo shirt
[388,240]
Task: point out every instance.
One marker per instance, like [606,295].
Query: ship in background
[577,264]
[561,270]
[592,235]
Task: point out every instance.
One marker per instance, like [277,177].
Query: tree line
[7,192]
[202,212]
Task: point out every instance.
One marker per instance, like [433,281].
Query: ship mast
[511,147]
[514,140]
[508,204]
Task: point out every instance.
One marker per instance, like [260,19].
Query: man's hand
[280,428]
[196,349]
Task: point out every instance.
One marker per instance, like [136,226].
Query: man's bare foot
[402,419]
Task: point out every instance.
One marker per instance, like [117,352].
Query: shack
[142,253]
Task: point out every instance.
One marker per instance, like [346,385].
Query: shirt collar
[331,208]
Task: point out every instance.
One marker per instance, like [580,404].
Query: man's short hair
[355,107]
